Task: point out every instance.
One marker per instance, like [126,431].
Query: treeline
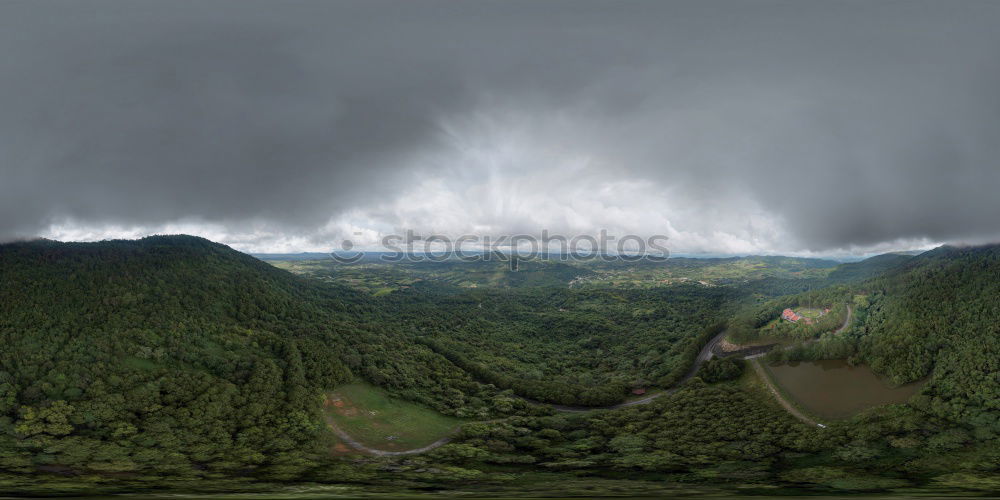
[721,369]
[568,346]
[938,315]
[538,390]
[726,435]
[184,357]
[165,354]
[829,348]
[935,317]
[589,338]
[176,356]
[685,362]
[576,395]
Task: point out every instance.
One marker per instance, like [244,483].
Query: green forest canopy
[176,358]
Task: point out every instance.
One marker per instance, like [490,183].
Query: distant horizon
[681,255]
[841,257]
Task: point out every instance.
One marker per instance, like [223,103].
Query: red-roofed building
[790,315]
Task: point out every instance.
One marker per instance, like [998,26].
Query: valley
[499,249]
[831,396]
[234,367]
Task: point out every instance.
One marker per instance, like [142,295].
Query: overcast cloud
[730,126]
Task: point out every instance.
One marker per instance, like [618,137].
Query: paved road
[762,373]
[847,321]
[704,355]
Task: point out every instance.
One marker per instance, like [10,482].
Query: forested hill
[870,267]
[182,270]
[939,313]
[162,352]
[176,354]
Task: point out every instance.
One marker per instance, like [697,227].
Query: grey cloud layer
[850,122]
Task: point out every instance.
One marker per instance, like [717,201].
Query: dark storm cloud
[852,123]
[138,112]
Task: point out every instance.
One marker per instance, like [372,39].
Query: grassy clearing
[810,312]
[379,421]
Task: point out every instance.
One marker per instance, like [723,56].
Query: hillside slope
[173,358]
[868,268]
[179,355]
[939,313]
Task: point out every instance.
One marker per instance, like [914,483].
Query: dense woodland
[178,355]
[567,346]
[170,360]
[939,316]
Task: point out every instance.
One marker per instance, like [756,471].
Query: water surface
[834,389]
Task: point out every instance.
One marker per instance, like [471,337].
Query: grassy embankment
[380,421]
[766,380]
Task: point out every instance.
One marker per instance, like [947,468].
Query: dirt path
[354,443]
[764,377]
[847,321]
[704,355]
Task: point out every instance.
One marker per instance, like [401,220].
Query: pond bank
[833,389]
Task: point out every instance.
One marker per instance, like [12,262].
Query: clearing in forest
[382,422]
[812,312]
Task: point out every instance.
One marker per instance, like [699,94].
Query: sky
[736,127]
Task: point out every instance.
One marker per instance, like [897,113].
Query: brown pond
[834,389]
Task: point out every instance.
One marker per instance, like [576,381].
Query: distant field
[707,272]
[377,420]
[381,278]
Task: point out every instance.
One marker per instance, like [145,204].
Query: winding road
[769,383]
[847,321]
[704,355]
